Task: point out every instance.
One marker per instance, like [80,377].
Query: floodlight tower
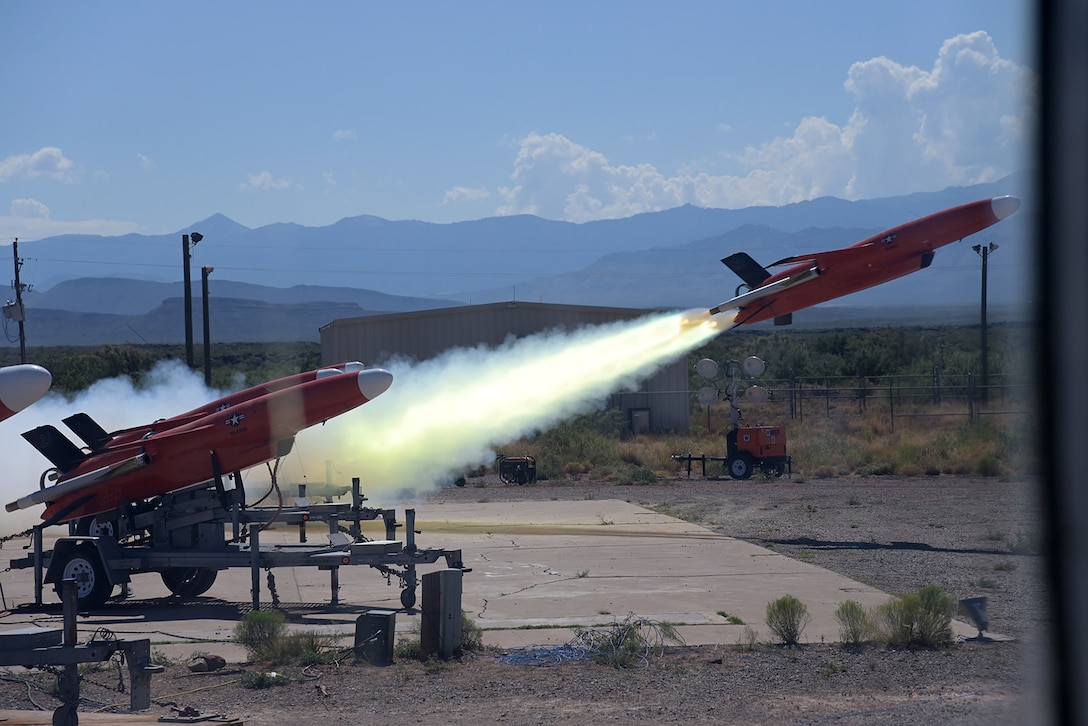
[185,246]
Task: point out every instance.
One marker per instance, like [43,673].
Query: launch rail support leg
[255,565]
[39,572]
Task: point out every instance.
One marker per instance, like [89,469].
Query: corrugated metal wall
[423,335]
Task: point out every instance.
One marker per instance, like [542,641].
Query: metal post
[984,251]
[19,301]
[982,318]
[204,272]
[255,565]
[187,291]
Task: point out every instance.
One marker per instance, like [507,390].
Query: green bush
[917,620]
[261,679]
[257,631]
[472,635]
[787,617]
[263,633]
[934,626]
[855,625]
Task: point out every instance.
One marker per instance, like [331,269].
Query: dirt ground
[972,537]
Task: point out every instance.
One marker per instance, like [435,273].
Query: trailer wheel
[84,566]
[95,527]
[740,466]
[189,582]
[774,470]
[408,598]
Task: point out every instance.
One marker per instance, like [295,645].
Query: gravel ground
[970,536]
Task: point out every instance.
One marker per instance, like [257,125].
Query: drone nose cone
[1004,206]
[22,385]
[374,382]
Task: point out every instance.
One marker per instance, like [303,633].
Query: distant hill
[131,297]
[297,278]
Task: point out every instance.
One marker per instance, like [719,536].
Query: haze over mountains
[283,281]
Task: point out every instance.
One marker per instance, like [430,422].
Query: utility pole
[15,312]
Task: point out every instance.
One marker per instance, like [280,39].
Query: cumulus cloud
[965,121]
[29,209]
[48,161]
[465,194]
[146,163]
[265,182]
[343,135]
[29,219]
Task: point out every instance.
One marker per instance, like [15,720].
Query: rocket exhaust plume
[443,414]
[439,415]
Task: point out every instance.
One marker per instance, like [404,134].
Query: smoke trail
[439,416]
[447,412]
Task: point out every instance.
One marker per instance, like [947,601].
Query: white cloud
[344,135]
[265,182]
[465,194]
[48,161]
[30,220]
[146,163]
[29,209]
[967,120]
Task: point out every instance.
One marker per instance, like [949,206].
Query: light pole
[984,252]
[196,237]
[204,272]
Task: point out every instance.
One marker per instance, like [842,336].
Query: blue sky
[151,116]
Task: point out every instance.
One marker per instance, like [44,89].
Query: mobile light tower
[747,447]
[185,247]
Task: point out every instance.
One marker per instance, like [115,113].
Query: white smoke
[439,416]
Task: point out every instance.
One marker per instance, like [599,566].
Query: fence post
[891,401]
[970,397]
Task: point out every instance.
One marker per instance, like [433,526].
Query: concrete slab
[540,571]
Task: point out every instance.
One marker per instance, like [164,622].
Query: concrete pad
[540,571]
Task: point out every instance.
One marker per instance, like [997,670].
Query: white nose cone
[374,382]
[22,385]
[1004,206]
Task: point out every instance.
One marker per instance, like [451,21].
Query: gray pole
[204,272]
[188,302]
[19,301]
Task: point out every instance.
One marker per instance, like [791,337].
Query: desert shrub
[472,635]
[787,617]
[629,642]
[306,647]
[855,625]
[263,633]
[923,619]
[257,631]
[934,627]
[261,679]
[895,620]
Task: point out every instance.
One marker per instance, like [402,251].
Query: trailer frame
[190,535]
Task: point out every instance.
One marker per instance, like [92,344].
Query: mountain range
[283,281]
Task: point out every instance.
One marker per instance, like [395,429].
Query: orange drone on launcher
[822,276]
[230,434]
